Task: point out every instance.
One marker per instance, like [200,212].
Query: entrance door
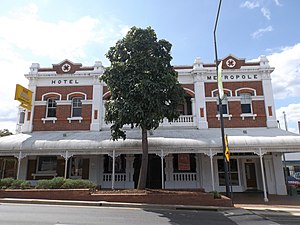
[154,171]
[250,176]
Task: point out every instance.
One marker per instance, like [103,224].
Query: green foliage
[14,184]
[73,184]
[54,183]
[6,182]
[62,183]
[143,84]
[25,184]
[5,132]
[216,194]
[43,184]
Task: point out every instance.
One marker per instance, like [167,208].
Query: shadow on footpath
[192,216]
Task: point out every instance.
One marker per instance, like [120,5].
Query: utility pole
[283,154]
[221,109]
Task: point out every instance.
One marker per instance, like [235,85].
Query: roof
[171,141]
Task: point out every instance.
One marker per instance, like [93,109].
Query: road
[286,216]
[30,214]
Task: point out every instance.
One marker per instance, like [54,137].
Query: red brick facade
[203,106]
[234,107]
[236,120]
[233,86]
[63,112]
[64,91]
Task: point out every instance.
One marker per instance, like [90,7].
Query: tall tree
[143,85]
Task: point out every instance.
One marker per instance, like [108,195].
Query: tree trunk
[144,165]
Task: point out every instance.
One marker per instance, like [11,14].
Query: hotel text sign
[64,82]
[234,77]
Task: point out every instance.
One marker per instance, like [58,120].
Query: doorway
[250,176]
[154,178]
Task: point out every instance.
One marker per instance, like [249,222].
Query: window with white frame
[76,164]
[234,172]
[77,107]
[246,103]
[51,107]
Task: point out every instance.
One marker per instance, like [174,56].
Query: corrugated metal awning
[172,141]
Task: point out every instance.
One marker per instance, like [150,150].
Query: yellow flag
[220,83]
[227,153]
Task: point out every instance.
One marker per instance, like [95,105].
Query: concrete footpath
[277,205]
[248,208]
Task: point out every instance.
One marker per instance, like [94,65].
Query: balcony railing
[182,121]
[187,177]
[118,177]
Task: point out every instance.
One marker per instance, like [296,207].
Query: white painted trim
[51,93]
[105,94]
[76,92]
[229,116]
[53,119]
[245,88]
[187,89]
[87,102]
[70,119]
[216,90]
[243,115]
[63,102]
[40,103]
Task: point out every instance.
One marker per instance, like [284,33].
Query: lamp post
[221,108]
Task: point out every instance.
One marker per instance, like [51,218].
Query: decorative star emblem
[66,67]
[230,63]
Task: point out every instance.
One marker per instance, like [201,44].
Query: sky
[49,31]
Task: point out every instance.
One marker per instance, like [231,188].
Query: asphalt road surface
[286,217]
[28,214]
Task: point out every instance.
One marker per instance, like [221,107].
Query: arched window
[76,107]
[186,107]
[51,107]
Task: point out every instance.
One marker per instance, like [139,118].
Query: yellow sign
[227,153]
[24,96]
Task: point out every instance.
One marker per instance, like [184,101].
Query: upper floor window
[51,107]
[246,103]
[76,107]
[224,105]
